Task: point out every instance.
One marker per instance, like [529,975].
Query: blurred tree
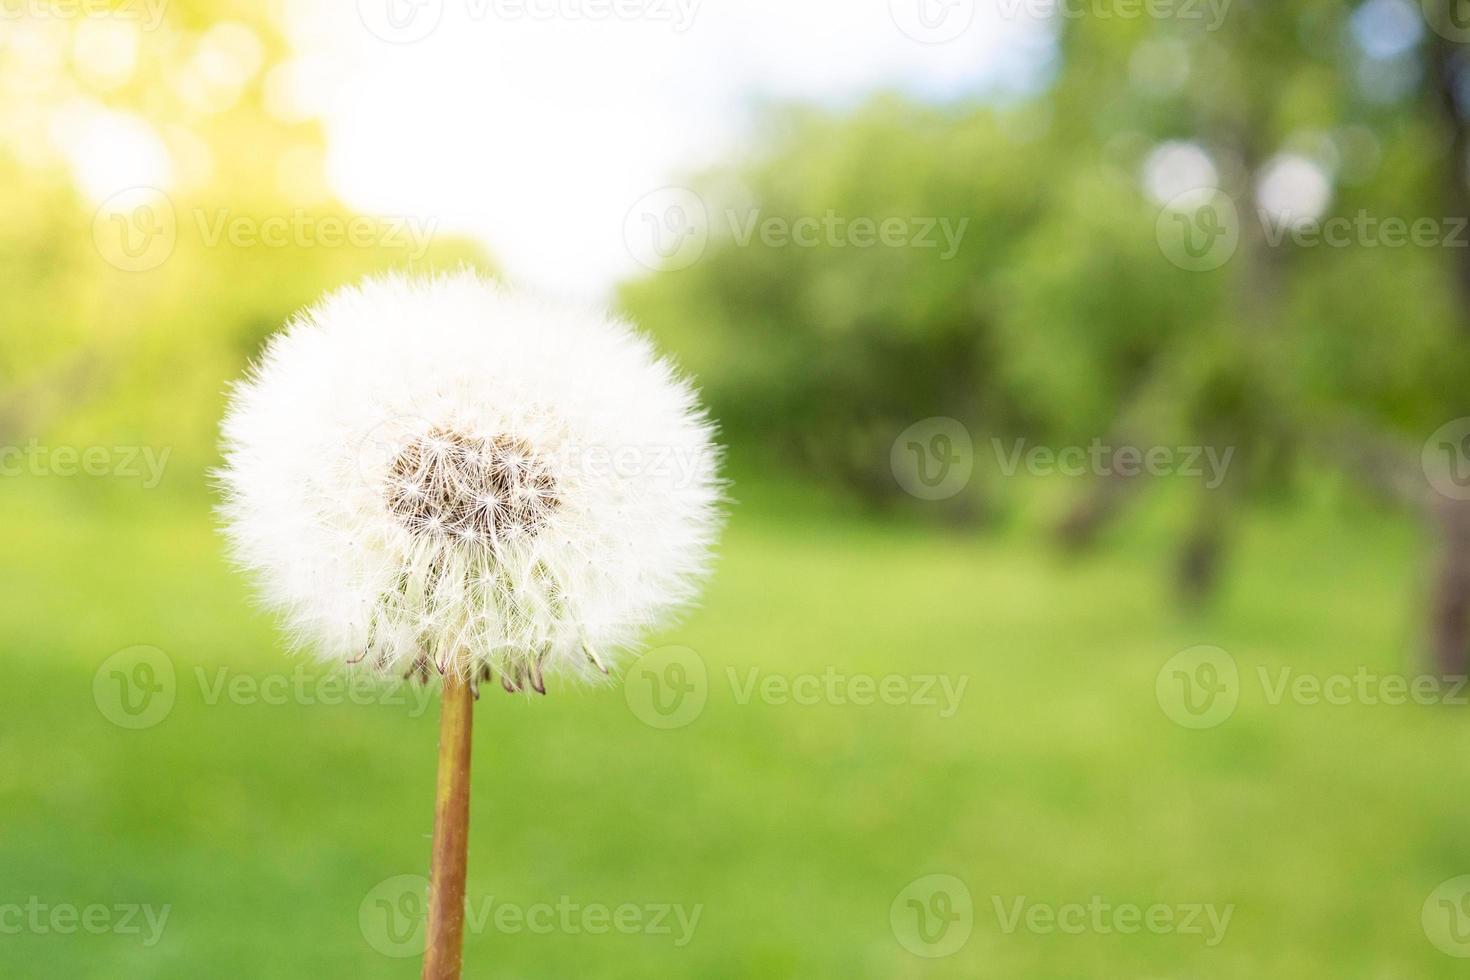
[1070,312]
[167,206]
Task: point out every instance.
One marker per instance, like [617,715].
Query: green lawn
[267,829]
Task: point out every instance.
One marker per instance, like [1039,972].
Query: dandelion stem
[445,949]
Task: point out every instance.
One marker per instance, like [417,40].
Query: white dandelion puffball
[439,472]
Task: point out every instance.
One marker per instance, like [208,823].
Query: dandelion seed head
[417,471]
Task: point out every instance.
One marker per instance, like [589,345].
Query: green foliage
[1061,317]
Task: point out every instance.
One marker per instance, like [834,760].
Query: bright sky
[535,128]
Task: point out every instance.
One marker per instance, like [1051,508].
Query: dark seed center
[449,484]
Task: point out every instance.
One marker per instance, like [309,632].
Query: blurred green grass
[264,827]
